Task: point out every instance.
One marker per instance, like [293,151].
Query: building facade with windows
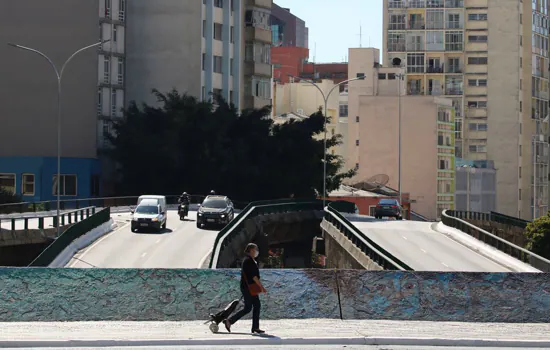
[287,29]
[427,134]
[490,57]
[258,72]
[28,134]
[196,47]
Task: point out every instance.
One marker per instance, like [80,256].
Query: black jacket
[249,271]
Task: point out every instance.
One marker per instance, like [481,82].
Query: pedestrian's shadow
[252,334]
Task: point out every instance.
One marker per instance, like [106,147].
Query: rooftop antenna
[360,35]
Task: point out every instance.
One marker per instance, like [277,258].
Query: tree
[7,197]
[537,233]
[197,146]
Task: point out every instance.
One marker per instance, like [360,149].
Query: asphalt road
[422,248]
[181,245]
[301,347]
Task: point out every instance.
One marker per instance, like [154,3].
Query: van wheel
[164,226]
[198,224]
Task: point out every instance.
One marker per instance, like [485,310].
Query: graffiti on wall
[436,296]
[36,294]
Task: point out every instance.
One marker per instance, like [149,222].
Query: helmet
[184,194]
[212,192]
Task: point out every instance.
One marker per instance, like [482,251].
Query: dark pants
[249,303]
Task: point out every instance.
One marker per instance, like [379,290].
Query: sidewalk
[281,332]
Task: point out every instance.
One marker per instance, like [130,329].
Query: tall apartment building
[288,29]
[427,134]
[257,54]
[491,58]
[28,131]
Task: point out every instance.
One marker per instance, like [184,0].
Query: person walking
[251,287]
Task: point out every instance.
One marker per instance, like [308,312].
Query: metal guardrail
[503,245]
[74,232]
[375,252]
[254,209]
[67,218]
[492,216]
[100,202]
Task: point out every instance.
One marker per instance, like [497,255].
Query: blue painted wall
[44,168]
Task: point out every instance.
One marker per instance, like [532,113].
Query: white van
[150,213]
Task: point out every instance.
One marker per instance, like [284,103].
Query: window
[218,3]
[218,31]
[360,75]
[477,82]
[249,52]
[217,64]
[453,21]
[454,41]
[106,69]
[391,76]
[232,5]
[120,70]
[477,17]
[356,142]
[107,8]
[7,182]
[67,186]
[113,103]
[343,110]
[27,184]
[357,119]
[477,104]
[232,34]
[478,127]
[94,186]
[231,97]
[231,66]
[121,9]
[443,164]
[477,148]
[477,60]
[477,38]
[381,76]
[99,101]
[415,63]
[519,172]
[114,34]
[203,60]
[204,28]
[217,92]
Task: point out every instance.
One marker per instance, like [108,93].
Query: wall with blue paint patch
[167,295]
[44,168]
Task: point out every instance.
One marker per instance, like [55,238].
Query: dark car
[388,207]
[215,210]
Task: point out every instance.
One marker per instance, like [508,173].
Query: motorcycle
[183,210]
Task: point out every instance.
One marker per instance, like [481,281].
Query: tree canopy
[198,146]
[7,197]
[538,235]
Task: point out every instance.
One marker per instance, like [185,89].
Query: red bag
[254,289]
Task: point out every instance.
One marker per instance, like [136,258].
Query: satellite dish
[374,182]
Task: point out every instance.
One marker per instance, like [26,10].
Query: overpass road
[422,248]
[181,245]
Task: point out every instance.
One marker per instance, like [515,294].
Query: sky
[334,25]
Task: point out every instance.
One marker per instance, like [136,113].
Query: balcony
[256,102]
[454,3]
[396,47]
[454,92]
[397,26]
[258,34]
[419,4]
[454,25]
[396,4]
[454,69]
[415,47]
[434,69]
[257,68]
[417,25]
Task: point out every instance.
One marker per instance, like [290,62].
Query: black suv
[217,210]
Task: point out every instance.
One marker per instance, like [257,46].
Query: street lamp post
[59,76]
[399,77]
[325,98]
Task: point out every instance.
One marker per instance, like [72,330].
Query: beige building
[491,58]
[304,99]
[427,134]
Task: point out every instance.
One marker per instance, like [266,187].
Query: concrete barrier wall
[37,294]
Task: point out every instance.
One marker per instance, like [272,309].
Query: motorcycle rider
[184,201]
[184,198]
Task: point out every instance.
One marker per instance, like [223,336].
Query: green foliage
[196,146]
[8,197]
[538,235]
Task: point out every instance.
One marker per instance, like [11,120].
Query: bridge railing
[503,245]
[72,233]
[492,216]
[375,252]
[125,202]
[42,220]
[254,209]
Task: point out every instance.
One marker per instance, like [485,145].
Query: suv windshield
[147,209]
[214,203]
[388,201]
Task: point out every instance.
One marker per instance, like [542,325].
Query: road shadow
[211,228]
[163,231]
[188,220]
[265,335]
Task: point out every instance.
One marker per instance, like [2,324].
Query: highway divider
[71,234]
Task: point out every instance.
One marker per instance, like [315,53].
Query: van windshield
[147,209]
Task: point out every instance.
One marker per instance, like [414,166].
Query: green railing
[254,209]
[74,232]
[374,251]
[67,218]
[492,216]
